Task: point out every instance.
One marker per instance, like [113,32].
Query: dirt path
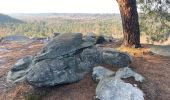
[155,69]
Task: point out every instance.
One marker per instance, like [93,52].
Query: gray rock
[55,72]
[111,88]
[19,70]
[65,59]
[108,56]
[64,44]
[16,38]
[62,61]
[128,72]
[66,69]
[16,77]
[163,50]
[22,64]
[115,58]
[91,57]
[100,72]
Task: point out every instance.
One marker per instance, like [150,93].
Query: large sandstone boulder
[66,59]
[61,61]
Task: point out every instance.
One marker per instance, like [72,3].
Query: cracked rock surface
[66,59]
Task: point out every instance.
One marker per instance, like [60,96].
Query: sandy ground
[156,70]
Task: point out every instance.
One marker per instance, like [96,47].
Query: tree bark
[129,15]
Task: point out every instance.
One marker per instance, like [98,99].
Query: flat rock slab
[163,50]
[16,38]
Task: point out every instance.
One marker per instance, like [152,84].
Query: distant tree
[130,24]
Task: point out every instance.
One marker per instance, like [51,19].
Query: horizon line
[58,13]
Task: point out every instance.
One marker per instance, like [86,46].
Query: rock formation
[65,59]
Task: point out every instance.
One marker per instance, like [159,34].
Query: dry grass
[136,52]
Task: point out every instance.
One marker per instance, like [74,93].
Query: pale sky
[58,6]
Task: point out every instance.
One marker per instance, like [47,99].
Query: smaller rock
[128,72]
[111,88]
[22,64]
[115,58]
[16,77]
[100,72]
[19,70]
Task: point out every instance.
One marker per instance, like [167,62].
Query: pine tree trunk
[129,15]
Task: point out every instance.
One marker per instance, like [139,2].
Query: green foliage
[100,24]
[155,19]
